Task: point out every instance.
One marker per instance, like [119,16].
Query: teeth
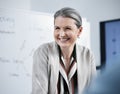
[63,40]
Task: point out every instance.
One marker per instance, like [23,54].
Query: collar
[73,53]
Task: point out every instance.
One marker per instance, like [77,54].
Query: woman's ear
[80,31]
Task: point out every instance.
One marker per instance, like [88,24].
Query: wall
[15,4]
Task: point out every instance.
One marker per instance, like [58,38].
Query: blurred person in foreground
[107,82]
[63,66]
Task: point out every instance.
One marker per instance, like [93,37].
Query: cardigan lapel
[54,68]
[82,69]
[79,68]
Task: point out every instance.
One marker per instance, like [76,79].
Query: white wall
[94,10]
[15,4]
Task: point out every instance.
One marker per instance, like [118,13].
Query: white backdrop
[21,32]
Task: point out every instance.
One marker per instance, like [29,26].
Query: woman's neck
[67,52]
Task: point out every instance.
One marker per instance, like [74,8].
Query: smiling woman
[63,66]
[66,31]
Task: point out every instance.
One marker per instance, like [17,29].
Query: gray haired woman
[63,66]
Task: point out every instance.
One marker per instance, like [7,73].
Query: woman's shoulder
[45,47]
[46,50]
[84,49]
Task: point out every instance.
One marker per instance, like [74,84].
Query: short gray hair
[70,13]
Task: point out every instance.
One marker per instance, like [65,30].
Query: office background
[94,10]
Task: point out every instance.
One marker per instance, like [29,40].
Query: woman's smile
[64,40]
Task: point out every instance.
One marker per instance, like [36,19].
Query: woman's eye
[56,28]
[68,28]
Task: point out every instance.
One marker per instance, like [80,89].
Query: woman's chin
[63,45]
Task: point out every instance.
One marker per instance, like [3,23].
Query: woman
[63,66]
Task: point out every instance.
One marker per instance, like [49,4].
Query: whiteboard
[21,32]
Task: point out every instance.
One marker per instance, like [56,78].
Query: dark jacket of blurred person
[108,82]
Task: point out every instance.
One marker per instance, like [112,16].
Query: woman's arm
[40,72]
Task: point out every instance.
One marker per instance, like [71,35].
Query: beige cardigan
[46,68]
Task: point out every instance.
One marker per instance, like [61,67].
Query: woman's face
[65,31]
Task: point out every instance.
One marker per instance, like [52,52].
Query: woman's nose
[62,33]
